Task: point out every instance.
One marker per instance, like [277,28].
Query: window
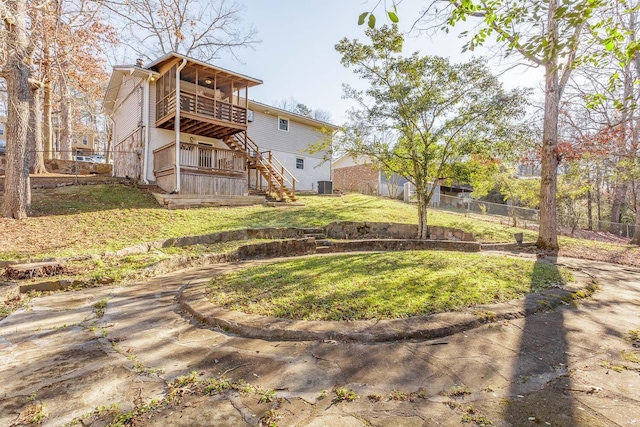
[1,129]
[283,124]
[299,163]
[85,140]
[249,115]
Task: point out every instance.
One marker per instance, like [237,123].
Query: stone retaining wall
[400,245]
[391,230]
[335,230]
[68,167]
[72,167]
[279,248]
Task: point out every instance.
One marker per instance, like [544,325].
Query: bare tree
[293,105]
[34,136]
[17,194]
[198,28]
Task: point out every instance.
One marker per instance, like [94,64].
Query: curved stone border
[193,301]
[335,230]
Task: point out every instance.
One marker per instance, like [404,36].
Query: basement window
[299,163]
[283,124]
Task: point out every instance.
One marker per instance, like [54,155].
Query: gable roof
[269,109]
[155,65]
[115,81]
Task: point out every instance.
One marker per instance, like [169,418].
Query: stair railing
[273,168]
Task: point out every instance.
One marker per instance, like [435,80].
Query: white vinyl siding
[314,170]
[129,114]
[264,132]
[152,104]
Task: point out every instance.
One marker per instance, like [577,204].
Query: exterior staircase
[280,182]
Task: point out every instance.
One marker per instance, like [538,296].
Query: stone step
[313,231]
[323,242]
[323,249]
[317,236]
[36,269]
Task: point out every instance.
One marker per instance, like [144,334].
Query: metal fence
[524,217]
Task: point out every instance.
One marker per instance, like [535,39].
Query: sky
[297,58]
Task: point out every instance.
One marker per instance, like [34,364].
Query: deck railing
[279,178]
[203,105]
[200,157]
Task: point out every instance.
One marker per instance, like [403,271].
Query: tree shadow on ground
[541,370]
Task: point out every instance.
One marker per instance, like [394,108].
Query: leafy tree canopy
[423,117]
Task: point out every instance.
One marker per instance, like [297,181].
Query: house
[215,140]
[85,144]
[359,174]
[3,136]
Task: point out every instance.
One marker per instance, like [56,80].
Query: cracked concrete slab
[563,367]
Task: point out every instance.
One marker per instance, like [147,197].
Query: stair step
[323,249]
[317,236]
[313,230]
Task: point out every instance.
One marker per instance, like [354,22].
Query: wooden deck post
[177,123]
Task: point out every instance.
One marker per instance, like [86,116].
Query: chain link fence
[523,217]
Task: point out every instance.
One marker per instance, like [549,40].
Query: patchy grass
[344,395]
[131,268]
[456,391]
[74,220]
[630,356]
[92,219]
[380,285]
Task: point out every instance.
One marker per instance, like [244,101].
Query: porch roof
[172,56]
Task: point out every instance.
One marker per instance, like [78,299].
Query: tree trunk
[636,235]
[423,232]
[589,211]
[36,157]
[548,234]
[599,197]
[65,119]
[619,196]
[17,193]
[47,122]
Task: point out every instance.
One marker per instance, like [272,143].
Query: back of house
[215,140]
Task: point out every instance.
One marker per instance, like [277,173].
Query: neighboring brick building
[361,176]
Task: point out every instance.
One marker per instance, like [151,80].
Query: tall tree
[198,28]
[297,107]
[422,117]
[545,33]
[17,193]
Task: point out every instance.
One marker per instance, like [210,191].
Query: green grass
[380,285]
[134,267]
[79,220]
[76,220]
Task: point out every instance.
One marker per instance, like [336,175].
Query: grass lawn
[380,285]
[78,220]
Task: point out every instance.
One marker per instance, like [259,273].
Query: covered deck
[202,169]
[213,101]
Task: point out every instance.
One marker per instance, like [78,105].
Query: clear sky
[296,57]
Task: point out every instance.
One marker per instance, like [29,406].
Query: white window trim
[288,124]
[300,158]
